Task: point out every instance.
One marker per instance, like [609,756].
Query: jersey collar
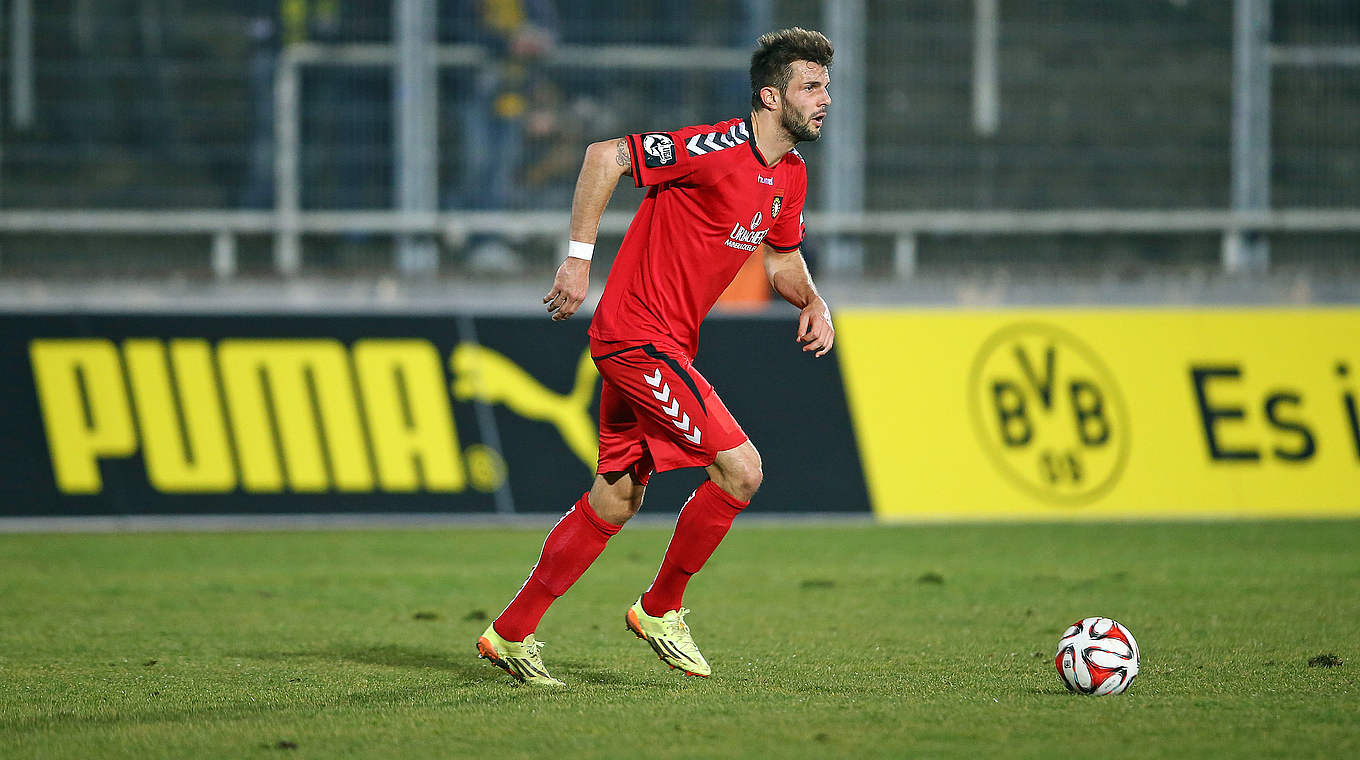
[750,128]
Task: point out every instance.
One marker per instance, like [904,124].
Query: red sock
[703,522]
[571,546]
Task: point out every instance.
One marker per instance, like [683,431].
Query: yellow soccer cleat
[521,659]
[669,637]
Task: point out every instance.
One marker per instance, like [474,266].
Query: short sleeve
[789,228]
[678,155]
[659,157]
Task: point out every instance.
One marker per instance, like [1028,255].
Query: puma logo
[486,375]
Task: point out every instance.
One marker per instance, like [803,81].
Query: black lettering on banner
[1060,467]
[1352,413]
[1011,412]
[1088,409]
[1354,416]
[1210,416]
[1049,413]
[1307,444]
[1041,385]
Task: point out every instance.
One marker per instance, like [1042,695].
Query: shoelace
[535,648]
[677,626]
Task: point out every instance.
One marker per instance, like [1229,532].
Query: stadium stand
[1121,105]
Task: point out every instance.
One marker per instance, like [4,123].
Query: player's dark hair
[771,63]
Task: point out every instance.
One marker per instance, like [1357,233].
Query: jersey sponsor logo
[777,204]
[765,180]
[297,415]
[744,239]
[660,150]
[709,142]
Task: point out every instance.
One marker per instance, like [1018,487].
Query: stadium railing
[288,83]
[904,228]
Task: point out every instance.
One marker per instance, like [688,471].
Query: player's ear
[769,96]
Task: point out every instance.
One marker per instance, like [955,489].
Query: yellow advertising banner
[1105,413]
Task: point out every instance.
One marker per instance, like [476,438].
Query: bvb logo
[1049,413]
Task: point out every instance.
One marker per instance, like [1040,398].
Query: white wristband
[578,250]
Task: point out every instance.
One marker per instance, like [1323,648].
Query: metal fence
[439,124]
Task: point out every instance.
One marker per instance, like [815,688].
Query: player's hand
[815,330]
[568,289]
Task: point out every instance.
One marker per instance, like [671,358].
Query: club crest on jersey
[776,204]
[659,148]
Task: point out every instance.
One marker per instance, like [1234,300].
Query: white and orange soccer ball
[1097,656]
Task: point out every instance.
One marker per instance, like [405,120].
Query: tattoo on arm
[622,157]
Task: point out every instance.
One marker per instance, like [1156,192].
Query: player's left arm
[790,278]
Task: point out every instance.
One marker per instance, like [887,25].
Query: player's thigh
[623,447]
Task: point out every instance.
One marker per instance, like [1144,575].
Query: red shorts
[657,412]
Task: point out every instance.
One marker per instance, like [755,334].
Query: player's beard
[800,131]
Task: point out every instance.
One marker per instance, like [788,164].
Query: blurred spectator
[101,32]
[489,105]
[344,136]
[556,131]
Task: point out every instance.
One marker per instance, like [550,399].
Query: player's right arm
[604,164]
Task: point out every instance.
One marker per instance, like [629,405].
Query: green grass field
[827,640]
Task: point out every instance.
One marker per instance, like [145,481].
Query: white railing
[288,83]
[223,227]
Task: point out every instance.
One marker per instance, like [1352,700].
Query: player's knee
[749,481]
[742,477]
[614,508]
[616,502]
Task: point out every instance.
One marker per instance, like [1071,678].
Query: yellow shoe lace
[533,647]
[677,630]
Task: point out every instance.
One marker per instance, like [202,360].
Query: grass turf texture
[826,640]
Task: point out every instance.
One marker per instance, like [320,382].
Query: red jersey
[712,201]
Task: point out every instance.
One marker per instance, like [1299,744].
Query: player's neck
[771,139]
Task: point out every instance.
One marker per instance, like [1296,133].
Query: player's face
[806,101]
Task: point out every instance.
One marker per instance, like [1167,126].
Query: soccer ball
[1097,656]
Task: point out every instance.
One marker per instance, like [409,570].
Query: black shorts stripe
[675,367]
[652,351]
[612,354]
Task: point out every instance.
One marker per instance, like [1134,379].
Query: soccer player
[717,194]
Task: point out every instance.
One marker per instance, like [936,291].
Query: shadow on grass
[584,674]
[471,669]
[397,656]
[465,671]
[464,667]
[464,664]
